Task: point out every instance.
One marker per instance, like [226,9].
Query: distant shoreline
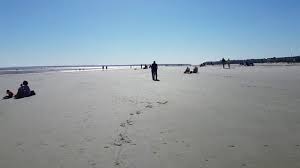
[42,69]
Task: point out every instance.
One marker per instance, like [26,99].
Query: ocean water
[41,69]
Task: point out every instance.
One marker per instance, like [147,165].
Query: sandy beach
[218,118]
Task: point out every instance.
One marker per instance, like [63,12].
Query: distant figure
[195,70]
[228,63]
[105,67]
[24,91]
[145,67]
[102,67]
[9,94]
[154,68]
[187,70]
[248,63]
[223,62]
[141,66]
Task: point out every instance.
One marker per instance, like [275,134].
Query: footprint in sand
[121,139]
[63,146]
[266,145]
[117,144]
[89,139]
[81,150]
[123,124]
[92,163]
[19,145]
[162,102]
[243,165]
[131,114]
[43,144]
[117,163]
[85,120]
[231,146]
[149,106]
[187,145]
[129,122]
[138,112]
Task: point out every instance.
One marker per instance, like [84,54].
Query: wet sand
[239,117]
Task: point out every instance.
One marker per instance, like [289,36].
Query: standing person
[223,62]
[154,71]
[228,63]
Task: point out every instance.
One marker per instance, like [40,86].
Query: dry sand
[239,117]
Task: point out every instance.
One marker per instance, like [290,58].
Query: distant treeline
[294,59]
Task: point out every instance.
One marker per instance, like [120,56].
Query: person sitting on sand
[20,93]
[9,94]
[187,70]
[24,91]
[195,70]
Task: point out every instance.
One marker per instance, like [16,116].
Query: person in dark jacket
[228,63]
[24,91]
[154,68]
[20,93]
[223,62]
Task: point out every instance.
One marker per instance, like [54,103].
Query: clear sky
[60,32]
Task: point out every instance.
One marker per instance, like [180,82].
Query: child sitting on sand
[9,94]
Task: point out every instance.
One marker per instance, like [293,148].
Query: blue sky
[60,32]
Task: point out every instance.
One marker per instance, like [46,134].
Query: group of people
[23,91]
[188,70]
[154,68]
[225,62]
